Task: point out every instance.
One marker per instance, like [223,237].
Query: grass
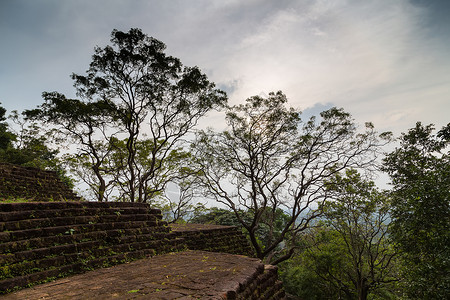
[14,200]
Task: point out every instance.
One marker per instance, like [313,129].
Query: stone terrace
[228,239]
[43,241]
[182,275]
[125,250]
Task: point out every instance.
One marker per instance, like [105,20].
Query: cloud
[370,57]
[383,61]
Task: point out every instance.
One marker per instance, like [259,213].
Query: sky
[385,61]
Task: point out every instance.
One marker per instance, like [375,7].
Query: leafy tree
[181,211]
[85,125]
[304,275]
[269,161]
[24,144]
[183,207]
[420,172]
[136,100]
[360,217]
[323,269]
[6,136]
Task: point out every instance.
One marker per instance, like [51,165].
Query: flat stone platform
[181,275]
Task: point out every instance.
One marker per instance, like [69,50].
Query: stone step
[67,212]
[18,235]
[67,237]
[74,220]
[34,206]
[27,262]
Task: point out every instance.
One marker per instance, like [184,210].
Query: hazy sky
[386,61]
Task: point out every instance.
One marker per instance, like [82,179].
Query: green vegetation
[297,188]
[23,143]
[348,254]
[420,172]
[136,105]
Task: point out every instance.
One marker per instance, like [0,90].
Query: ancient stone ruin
[122,251]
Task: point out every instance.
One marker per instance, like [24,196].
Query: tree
[305,274]
[136,97]
[24,144]
[420,172]
[6,136]
[360,216]
[183,205]
[182,210]
[268,160]
[85,125]
[348,254]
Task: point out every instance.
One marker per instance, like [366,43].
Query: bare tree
[269,160]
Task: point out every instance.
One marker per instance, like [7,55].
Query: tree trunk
[363,290]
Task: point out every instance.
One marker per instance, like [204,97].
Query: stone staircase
[41,241]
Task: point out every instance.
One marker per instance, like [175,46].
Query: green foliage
[6,137]
[136,103]
[349,254]
[360,215]
[305,275]
[420,172]
[28,146]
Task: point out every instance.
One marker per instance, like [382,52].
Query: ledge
[182,275]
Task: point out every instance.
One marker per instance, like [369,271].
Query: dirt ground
[182,275]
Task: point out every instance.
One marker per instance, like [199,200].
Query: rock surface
[182,275]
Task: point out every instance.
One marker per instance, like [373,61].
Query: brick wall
[227,239]
[32,184]
[43,240]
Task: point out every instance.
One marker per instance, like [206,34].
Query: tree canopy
[270,160]
[23,143]
[360,217]
[136,103]
[420,173]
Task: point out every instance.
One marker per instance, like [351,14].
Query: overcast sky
[386,61]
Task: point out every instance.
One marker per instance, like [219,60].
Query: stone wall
[227,239]
[43,240]
[262,285]
[32,184]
